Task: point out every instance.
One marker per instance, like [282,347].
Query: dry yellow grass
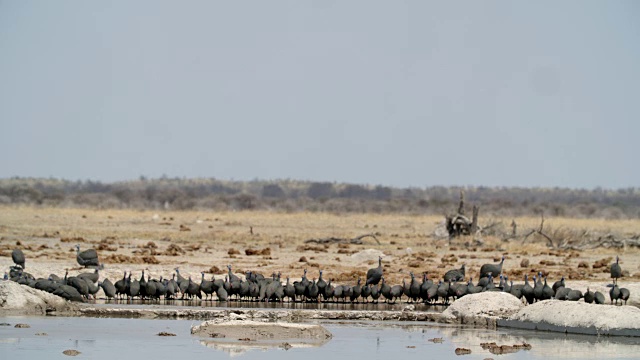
[206,237]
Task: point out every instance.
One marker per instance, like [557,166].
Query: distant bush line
[296,196]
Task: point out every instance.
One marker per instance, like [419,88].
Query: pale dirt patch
[369,255]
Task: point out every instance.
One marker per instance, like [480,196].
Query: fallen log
[334,240]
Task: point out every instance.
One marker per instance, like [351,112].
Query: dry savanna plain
[267,242]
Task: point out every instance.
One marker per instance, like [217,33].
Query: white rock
[21,299]
[492,304]
[580,314]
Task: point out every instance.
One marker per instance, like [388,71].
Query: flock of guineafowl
[256,287]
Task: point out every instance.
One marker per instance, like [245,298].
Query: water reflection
[235,348]
[270,305]
[546,344]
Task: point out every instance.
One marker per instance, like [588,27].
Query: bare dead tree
[459,224]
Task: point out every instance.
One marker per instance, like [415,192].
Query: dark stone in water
[22,326]
[164,333]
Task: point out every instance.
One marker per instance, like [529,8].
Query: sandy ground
[270,242]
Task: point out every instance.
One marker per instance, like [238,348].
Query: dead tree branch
[334,240]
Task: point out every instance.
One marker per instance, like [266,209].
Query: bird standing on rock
[624,295]
[614,294]
[616,271]
[374,275]
[558,284]
[455,274]
[495,269]
[589,296]
[18,257]
[87,257]
[527,290]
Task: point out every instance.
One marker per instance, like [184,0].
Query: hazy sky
[397,93]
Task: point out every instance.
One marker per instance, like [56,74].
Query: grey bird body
[432,292]
[616,270]
[537,289]
[494,269]
[289,291]
[206,287]
[356,291]
[18,257]
[221,294]
[93,277]
[558,284]
[455,274]
[624,295]
[484,281]
[414,288]
[574,295]
[614,294]
[424,287]
[375,293]
[366,292]
[547,291]
[108,288]
[562,293]
[396,292]
[322,285]
[443,291]
[87,257]
[374,275]
[516,290]
[69,293]
[527,290]
[133,286]
[385,290]
[589,296]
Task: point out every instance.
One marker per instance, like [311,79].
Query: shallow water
[104,338]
